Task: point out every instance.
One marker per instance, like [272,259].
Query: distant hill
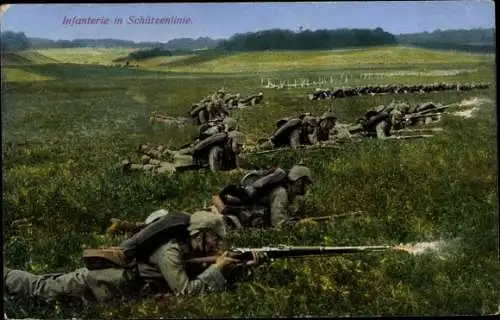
[474,40]
[12,41]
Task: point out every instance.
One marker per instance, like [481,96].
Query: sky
[222,20]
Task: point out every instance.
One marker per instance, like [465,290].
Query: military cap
[206,220]
[230,122]
[237,137]
[297,172]
[155,216]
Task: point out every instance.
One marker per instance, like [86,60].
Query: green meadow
[67,124]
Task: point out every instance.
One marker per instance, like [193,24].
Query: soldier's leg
[48,286]
[165,168]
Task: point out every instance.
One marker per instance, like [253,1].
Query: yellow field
[282,60]
[86,55]
[18,75]
[159,61]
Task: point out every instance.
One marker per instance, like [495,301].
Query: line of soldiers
[322,94]
[219,144]
[378,122]
[218,105]
[213,107]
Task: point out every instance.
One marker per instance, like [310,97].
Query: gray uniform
[166,264]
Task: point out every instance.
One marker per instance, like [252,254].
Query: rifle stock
[284,251]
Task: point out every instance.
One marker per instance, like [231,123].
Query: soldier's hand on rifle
[225,260]
[258,258]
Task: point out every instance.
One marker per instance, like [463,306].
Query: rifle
[420,115]
[421,129]
[411,137]
[333,216]
[285,251]
[303,147]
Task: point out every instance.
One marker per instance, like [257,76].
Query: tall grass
[63,140]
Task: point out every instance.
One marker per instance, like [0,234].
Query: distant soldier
[292,133]
[205,131]
[264,195]
[323,131]
[221,151]
[251,100]
[380,121]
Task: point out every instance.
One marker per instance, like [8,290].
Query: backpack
[281,136]
[260,179]
[141,245]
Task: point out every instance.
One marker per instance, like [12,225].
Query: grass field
[64,136]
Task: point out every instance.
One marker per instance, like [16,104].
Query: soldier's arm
[169,260]
[313,137]
[295,139]
[380,129]
[278,205]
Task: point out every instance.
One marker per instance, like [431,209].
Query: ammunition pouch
[104,258]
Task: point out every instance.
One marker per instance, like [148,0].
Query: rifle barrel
[282,251]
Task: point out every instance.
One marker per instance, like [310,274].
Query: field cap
[298,172]
[206,220]
[156,215]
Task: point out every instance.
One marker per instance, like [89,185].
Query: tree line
[274,39]
[279,39]
[475,40]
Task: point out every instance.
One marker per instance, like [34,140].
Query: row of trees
[477,40]
[145,54]
[275,39]
[14,41]
[279,39]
